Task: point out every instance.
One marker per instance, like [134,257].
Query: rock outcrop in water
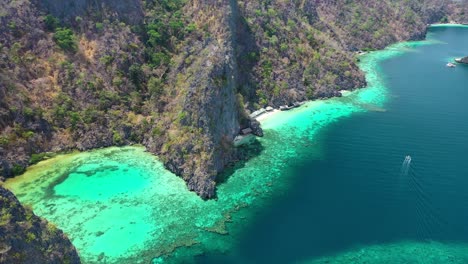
[179,76]
[25,238]
[463,60]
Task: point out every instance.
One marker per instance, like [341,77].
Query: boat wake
[405,166]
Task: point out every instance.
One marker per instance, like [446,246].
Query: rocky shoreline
[463,60]
[113,89]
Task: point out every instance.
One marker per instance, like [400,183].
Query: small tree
[51,22]
[136,75]
[155,87]
[65,39]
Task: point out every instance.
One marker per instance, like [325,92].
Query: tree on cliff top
[65,38]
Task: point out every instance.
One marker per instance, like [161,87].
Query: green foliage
[27,134]
[30,237]
[15,29]
[159,58]
[5,217]
[90,115]
[28,112]
[283,47]
[262,98]
[74,119]
[368,49]
[117,81]
[181,116]
[155,87]
[15,52]
[166,21]
[154,37]
[221,81]
[63,110]
[4,141]
[272,12]
[274,40]
[276,90]
[252,56]
[106,60]
[17,169]
[36,158]
[65,39]
[28,211]
[117,138]
[99,26]
[444,19]
[51,22]
[157,131]
[107,99]
[136,75]
[135,99]
[52,228]
[190,28]
[267,69]
[12,25]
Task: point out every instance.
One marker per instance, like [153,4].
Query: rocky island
[463,60]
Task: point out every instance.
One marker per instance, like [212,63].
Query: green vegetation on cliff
[179,76]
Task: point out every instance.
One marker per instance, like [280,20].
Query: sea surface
[377,176]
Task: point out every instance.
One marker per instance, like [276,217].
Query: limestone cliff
[25,238]
[179,76]
[204,83]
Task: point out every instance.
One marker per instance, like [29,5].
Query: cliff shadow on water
[245,50]
[215,91]
[245,153]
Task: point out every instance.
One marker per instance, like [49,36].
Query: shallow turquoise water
[119,205]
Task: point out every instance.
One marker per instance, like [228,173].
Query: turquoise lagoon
[326,188]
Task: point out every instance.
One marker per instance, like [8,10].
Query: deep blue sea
[360,192]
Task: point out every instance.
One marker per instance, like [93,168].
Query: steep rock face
[25,238]
[306,46]
[376,24]
[204,82]
[179,76]
[295,61]
[463,60]
[54,100]
[458,14]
